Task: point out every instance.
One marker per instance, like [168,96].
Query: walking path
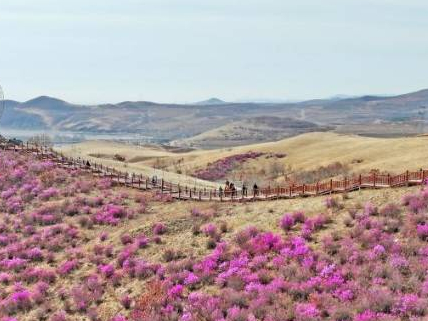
[177,191]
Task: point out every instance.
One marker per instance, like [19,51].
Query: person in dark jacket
[244,190]
[232,189]
[255,189]
[220,191]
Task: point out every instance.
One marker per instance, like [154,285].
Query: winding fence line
[177,191]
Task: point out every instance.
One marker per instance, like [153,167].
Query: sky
[97,51]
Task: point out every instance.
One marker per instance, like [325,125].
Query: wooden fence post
[360,182]
[162,185]
[331,186]
[374,179]
[407,178]
[318,188]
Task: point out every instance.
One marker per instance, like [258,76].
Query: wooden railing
[181,192]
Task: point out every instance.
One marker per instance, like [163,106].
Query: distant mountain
[46,102]
[211,101]
[179,121]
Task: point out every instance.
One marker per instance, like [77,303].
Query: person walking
[232,189]
[244,190]
[255,189]
[227,189]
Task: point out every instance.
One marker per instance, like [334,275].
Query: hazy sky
[89,51]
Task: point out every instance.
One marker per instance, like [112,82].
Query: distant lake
[63,137]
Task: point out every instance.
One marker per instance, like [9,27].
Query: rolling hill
[250,131]
[303,153]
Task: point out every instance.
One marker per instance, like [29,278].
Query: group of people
[230,189]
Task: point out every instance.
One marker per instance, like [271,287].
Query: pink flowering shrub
[46,214]
[369,272]
[422,230]
[287,222]
[159,228]
[221,168]
[210,230]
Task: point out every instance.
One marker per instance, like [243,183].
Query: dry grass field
[304,152]
[140,160]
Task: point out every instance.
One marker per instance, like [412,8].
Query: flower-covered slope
[375,269]
[68,253]
[221,168]
[47,218]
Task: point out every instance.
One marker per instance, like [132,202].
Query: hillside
[250,131]
[302,153]
[76,248]
[166,122]
[146,160]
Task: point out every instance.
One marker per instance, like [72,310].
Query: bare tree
[41,140]
[276,168]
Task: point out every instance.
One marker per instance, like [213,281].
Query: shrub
[210,230]
[159,229]
[223,227]
[287,222]
[390,210]
[67,267]
[126,302]
[107,270]
[103,236]
[126,239]
[299,217]
[142,241]
[196,229]
[306,312]
[370,209]
[331,202]
[59,316]
[169,255]
[422,231]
